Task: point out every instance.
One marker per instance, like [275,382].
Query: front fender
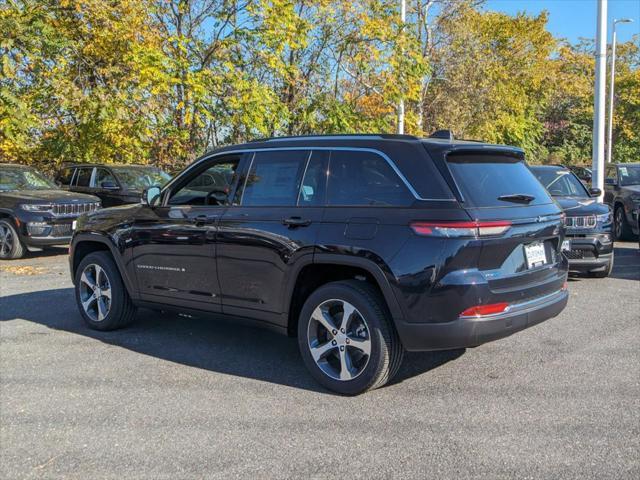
[112,245]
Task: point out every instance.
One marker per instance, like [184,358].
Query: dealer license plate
[536,254]
[566,245]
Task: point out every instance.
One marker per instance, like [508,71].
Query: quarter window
[274,178]
[65,176]
[364,178]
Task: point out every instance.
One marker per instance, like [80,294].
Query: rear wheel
[101,295]
[621,227]
[347,339]
[10,245]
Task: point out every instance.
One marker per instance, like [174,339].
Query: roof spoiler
[443,134]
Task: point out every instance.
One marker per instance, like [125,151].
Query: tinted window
[139,178]
[364,178]
[211,186]
[83,177]
[65,176]
[274,178]
[23,179]
[483,179]
[629,174]
[612,174]
[104,176]
[560,182]
[314,182]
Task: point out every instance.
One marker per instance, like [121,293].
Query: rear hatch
[520,227]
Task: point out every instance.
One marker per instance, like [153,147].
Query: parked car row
[36,212]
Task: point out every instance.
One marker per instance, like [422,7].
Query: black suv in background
[34,212]
[589,239]
[622,192]
[113,184]
[362,246]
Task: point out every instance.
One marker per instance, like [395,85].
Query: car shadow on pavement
[206,343]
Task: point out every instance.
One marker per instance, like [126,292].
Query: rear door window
[364,178]
[83,177]
[274,178]
[495,181]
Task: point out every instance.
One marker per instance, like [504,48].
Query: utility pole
[597,154]
[612,84]
[403,19]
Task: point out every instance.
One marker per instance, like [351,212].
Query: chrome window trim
[347,149]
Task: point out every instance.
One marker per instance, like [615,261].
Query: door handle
[201,220]
[293,222]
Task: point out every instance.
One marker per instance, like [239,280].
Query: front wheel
[11,247]
[101,296]
[622,230]
[347,338]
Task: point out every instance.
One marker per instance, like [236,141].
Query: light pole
[612,83]
[403,18]
[599,99]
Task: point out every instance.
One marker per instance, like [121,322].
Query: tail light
[461,229]
[482,310]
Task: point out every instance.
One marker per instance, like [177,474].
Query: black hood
[578,206]
[48,196]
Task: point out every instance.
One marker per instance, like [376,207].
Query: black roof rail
[443,134]
[337,136]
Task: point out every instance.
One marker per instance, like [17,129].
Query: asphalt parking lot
[174,398]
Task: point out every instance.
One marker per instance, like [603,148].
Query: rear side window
[83,177]
[364,178]
[274,178]
[490,180]
[65,176]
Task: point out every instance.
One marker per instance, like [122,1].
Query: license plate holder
[535,254]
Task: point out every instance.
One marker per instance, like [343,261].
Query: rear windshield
[496,181]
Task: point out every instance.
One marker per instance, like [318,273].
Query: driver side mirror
[595,192]
[151,196]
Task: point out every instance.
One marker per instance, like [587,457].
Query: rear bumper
[471,332]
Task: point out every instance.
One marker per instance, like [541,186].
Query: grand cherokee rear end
[492,268]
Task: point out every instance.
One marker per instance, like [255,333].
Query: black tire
[121,310]
[386,350]
[606,272]
[11,247]
[622,229]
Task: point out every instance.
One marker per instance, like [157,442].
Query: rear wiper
[517,198]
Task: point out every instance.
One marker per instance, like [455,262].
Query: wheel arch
[83,244]
[324,268]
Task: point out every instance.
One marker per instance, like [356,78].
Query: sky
[573,19]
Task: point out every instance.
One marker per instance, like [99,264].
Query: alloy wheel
[619,219]
[95,292]
[6,241]
[339,340]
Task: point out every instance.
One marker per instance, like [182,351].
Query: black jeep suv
[589,240]
[622,192]
[34,212]
[362,246]
[113,184]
